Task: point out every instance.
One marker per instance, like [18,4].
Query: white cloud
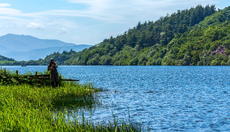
[63,31]
[132,10]
[34,25]
[62,23]
[4,4]
[10,12]
[115,11]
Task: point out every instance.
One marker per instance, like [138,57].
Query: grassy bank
[28,107]
[8,62]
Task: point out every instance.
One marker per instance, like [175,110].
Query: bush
[213,63]
[200,63]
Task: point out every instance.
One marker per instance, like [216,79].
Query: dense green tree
[3,58]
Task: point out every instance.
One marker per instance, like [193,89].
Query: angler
[52,67]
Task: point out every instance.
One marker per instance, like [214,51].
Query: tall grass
[25,107]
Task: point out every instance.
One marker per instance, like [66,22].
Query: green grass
[26,107]
[3,62]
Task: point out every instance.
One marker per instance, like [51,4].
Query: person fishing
[52,67]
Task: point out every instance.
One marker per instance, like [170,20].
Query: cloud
[4,4]
[115,11]
[10,12]
[34,25]
[62,31]
[132,10]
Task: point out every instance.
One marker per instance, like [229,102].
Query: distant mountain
[4,50]
[26,43]
[24,47]
[42,53]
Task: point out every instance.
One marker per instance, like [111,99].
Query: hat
[51,59]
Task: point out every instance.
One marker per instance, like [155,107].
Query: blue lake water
[162,98]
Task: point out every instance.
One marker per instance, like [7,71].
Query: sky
[86,21]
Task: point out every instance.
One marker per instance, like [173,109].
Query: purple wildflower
[222,51]
[213,52]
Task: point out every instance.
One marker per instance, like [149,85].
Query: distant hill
[24,47]
[3,58]
[42,53]
[4,50]
[26,43]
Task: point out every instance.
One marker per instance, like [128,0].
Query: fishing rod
[60,49]
[58,52]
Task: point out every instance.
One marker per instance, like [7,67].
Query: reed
[25,107]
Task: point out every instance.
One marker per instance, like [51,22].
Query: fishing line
[60,49]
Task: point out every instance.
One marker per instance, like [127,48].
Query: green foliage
[7,62]
[3,58]
[214,62]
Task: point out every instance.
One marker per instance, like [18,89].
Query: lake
[163,98]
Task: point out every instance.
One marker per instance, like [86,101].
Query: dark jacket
[53,70]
